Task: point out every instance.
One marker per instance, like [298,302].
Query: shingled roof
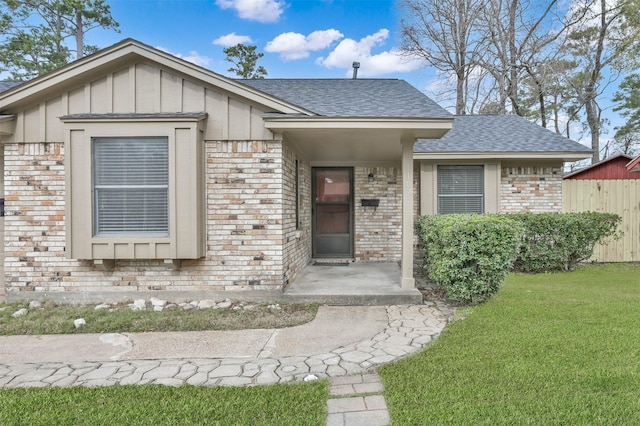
[6,85]
[353,97]
[498,133]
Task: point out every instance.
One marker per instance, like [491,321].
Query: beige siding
[170,92]
[54,130]
[100,99]
[120,96]
[32,124]
[193,99]
[147,85]
[143,88]
[239,120]
[621,197]
[217,107]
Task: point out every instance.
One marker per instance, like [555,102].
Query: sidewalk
[340,341]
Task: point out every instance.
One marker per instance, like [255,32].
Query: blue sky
[299,38]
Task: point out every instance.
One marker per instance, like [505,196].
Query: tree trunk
[591,106]
[79,35]
[513,57]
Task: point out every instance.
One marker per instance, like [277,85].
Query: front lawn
[58,319]
[281,405]
[548,349]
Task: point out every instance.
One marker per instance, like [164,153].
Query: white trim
[290,123]
[566,156]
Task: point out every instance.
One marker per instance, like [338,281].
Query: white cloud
[255,10]
[193,57]
[291,46]
[387,62]
[232,39]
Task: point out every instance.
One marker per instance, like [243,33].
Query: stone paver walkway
[357,400]
[356,392]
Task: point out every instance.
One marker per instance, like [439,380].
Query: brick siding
[378,230]
[244,189]
[534,189]
[297,237]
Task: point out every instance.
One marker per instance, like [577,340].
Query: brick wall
[531,188]
[245,213]
[244,186]
[34,218]
[297,237]
[378,231]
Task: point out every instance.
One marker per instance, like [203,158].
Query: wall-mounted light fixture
[370,177]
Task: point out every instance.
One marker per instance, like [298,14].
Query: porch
[351,283]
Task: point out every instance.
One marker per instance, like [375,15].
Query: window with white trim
[460,189]
[131,186]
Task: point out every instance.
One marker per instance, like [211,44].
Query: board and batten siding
[148,89]
[621,197]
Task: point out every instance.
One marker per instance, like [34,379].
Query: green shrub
[559,241]
[469,255]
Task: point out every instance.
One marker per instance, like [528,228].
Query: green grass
[290,404]
[58,319]
[549,349]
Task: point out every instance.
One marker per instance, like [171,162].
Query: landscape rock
[139,305]
[35,304]
[224,305]
[158,302]
[102,306]
[20,313]
[158,308]
[79,322]
[206,304]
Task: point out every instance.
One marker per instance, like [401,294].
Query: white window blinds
[131,185]
[460,189]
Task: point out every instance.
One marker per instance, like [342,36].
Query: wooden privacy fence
[621,197]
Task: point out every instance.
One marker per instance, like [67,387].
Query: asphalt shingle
[6,85]
[498,133]
[353,97]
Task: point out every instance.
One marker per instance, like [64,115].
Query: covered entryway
[332,212]
[357,144]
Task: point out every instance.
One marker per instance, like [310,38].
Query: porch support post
[407,280]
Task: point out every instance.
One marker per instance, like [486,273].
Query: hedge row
[559,241]
[469,255]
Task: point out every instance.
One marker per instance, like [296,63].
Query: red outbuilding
[621,166]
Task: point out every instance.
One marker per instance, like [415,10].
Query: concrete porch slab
[358,283]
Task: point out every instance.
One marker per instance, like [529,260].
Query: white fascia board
[565,156]
[317,122]
[132,47]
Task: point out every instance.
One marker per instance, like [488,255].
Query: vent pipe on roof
[356,65]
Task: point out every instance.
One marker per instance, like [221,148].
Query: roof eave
[407,128]
[303,122]
[505,155]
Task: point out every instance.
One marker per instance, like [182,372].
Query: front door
[332,212]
